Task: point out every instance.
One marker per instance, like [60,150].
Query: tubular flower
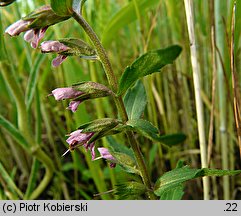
[73,105]
[65,93]
[77,138]
[68,93]
[68,47]
[35,24]
[55,47]
[104,152]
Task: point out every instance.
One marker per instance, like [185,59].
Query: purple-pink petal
[17,27]
[65,93]
[33,36]
[73,105]
[77,138]
[91,147]
[104,152]
[38,35]
[29,35]
[58,60]
[53,46]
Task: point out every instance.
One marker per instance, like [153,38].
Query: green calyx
[77,47]
[91,90]
[44,17]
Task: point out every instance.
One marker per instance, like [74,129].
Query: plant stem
[197,89]
[118,100]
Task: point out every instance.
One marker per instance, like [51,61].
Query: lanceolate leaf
[174,178]
[148,130]
[146,64]
[174,193]
[135,101]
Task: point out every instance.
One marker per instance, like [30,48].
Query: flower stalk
[118,100]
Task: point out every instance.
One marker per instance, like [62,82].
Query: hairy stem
[118,100]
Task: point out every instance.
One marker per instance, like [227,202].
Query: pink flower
[73,105]
[104,152]
[17,27]
[34,36]
[53,46]
[68,93]
[91,147]
[58,60]
[35,24]
[77,138]
[65,93]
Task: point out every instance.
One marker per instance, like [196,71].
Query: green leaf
[172,139]
[145,128]
[135,101]
[146,64]
[130,190]
[176,177]
[175,193]
[62,7]
[123,17]
[14,132]
[148,130]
